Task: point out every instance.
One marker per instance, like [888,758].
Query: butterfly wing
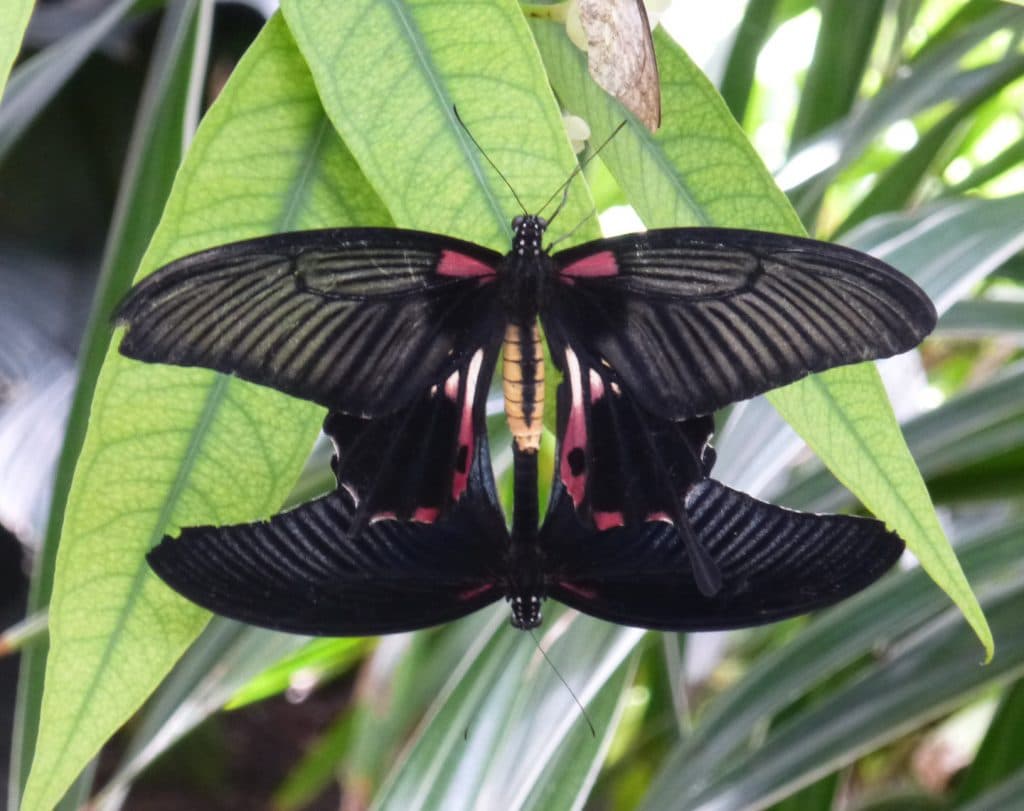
[413,464]
[775,563]
[359,320]
[305,572]
[694,319]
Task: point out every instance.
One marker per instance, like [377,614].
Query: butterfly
[397,333]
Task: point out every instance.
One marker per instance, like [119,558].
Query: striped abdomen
[523,373]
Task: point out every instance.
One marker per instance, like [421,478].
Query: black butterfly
[397,332]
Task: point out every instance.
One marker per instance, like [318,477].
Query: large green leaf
[154,154]
[700,169]
[13,22]
[164,446]
[399,120]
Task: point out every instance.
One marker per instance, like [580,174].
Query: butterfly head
[527,234]
[526,612]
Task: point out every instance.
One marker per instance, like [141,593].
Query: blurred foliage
[897,129]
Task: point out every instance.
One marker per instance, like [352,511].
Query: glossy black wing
[358,320]
[695,319]
[303,571]
[775,563]
[414,463]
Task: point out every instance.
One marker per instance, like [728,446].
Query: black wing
[414,464]
[358,320]
[695,319]
[774,563]
[304,571]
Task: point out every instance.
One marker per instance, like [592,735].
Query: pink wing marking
[453,263]
[660,516]
[597,264]
[451,386]
[579,591]
[607,520]
[386,515]
[476,591]
[426,515]
[575,438]
[596,386]
[464,454]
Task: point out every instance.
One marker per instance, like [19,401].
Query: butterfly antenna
[547,659]
[487,157]
[564,188]
[576,228]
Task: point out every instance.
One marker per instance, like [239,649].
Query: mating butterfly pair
[397,333]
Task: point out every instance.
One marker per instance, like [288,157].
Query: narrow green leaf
[164,445]
[932,673]
[155,150]
[700,169]
[317,769]
[999,755]
[13,22]
[38,79]
[1007,796]
[511,711]
[841,53]
[317,661]
[858,628]
[753,32]
[898,184]
[936,76]
[985,318]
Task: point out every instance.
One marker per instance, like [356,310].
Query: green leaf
[398,117]
[841,54]
[984,318]
[753,32]
[917,664]
[13,22]
[164,445]
[700,169]
[999,755]
[1007,796]
[154,154]
[38,79]
[898,184]
[317,661]
[510,710]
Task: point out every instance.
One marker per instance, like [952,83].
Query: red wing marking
[426,515]
[579,591]
[574,443]
[464,453]
[597,264]
[453,263]
[660,516]
[607,520]
[476,591]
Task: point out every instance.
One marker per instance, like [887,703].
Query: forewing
[775,563]
[358,320]
[303,571]
[695,319]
